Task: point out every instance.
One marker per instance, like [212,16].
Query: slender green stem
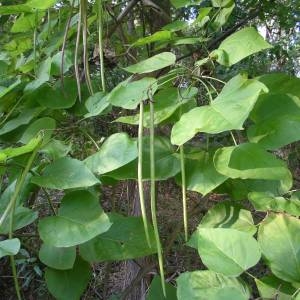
[100,41]
[19,185]
[34,44]
[140,172]
[77,75]
[183,186]
[233,138]
[83,4]
[49,23]
[11,209]
[206,87]
[64,44]
[152,196]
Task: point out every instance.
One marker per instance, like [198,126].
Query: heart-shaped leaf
[249,161]
[267,201]
[166,102]
[9,247]
[66,173]
[228,111]
[57,258]
[117,151]
[270,287]
[80,218]
[201,174]
[69,284]
[155,290]
[239,45]
[129,94]
[153,63]
[208,285]
[227,251]
[125,239]
[167,163]
[279,241]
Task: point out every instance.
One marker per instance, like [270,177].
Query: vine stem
[83,4]
[100,38]
[183,188]
[152,196]
[11,209]
[76,68]
[140,172]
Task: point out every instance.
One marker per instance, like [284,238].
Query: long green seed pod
[183,188]
[152,196]
[100,41]
[140,172]
[76,55]
[83,4]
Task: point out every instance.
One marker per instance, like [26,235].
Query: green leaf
[26,22]
[69,284]
[221,3]
[167,163]
[38,4]
[222,17]
[22,119]
[277,121]
[267,201]
[117,151]
[129,94]
[153,63]
[9,247]
[176,26]
[96,104]
[208,285]
[249,161]
[279,241]
[225,215]
[155,290]
[166,102]
[280,83]
[56,149]
[43,75]
[182,3]
[9,153]
[6,90]
[56,62]
[124,240]
[202,17]
[159,36]
[23,216]
[55,97]
[46,125]
[227,251]
[201,174]
[57,258]
[15,9]
[66,173]
[229,111]
[270,287]
[80,218]
[239,45]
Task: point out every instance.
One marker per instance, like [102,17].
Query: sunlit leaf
[228,111]
[57,258]
[80,218]
[239,45]
[153,63]
[208,285]
[9,247]
[117,151]
[66,173]
[279,241]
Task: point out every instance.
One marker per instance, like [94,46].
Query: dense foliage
[205,93]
